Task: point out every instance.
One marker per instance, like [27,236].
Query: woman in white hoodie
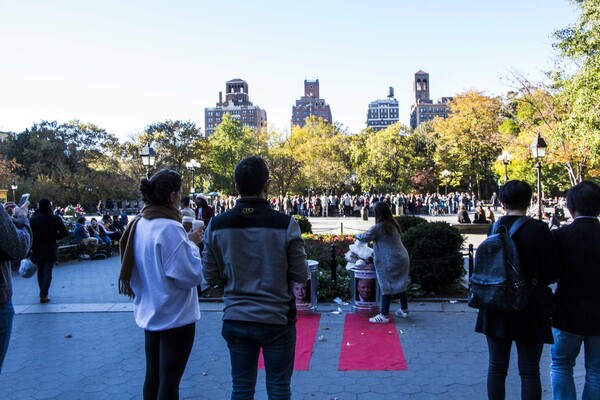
[160,269]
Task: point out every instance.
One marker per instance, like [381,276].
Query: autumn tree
[382,159]
[468,140]
[577,139]
[322,151]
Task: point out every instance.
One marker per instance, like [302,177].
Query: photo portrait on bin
[365,290]
[301,292]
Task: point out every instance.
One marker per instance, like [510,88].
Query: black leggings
[529,354]
[167,353]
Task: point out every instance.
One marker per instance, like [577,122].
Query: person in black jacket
[47,228]
[529,328]
[577,315]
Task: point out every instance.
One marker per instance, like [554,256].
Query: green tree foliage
[322,151]
[383,159]
[61,161]
[284,167]
[468,141]
[230,143]
[173,142]
[578,138]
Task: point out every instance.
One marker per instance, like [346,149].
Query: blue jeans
[278,342]
[6,319]
[386,299]
[565,350]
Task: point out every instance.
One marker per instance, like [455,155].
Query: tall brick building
[310,104]
[424,109]
[238,104]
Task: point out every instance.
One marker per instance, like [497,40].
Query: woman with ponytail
[160,269]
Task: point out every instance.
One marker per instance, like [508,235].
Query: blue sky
[126,64]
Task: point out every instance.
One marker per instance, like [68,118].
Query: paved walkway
[85,345]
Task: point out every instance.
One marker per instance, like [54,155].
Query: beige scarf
[126,243]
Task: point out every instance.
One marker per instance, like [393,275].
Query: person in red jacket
[204,211]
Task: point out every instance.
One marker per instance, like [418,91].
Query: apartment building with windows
[310,104]
[383,112]
[237,103]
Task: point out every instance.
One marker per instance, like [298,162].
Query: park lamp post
[14,188]
[192,166]
[446,174]
[538,151]
[90,188]
[148,156]
[505,158]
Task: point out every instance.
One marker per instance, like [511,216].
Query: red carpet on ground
[370,347]
[306,333]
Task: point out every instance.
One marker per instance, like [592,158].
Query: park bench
[72,249]
[472,229]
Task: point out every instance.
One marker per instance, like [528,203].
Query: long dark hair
[383,215]
[157,190]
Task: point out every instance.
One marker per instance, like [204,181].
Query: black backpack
[498,281]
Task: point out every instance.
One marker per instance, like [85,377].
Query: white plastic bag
[27,268]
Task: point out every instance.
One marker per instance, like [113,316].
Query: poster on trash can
[365,288]
[302,294]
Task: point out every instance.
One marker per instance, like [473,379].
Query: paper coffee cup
[197,224]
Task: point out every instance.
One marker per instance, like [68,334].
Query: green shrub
[408,221]
[326,289]
[304,223]
[318,247]
[436,260]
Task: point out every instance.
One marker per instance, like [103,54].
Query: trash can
[364,289]
[365,213]
[306,293]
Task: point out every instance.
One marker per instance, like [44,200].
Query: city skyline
[125,66]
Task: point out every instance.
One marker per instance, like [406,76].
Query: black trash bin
[365,213]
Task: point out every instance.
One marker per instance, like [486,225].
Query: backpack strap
[495,227]
[513,229]
[516,225]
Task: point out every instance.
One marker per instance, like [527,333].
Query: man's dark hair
[185,200]
[515,195]
[250,175]
[584,198]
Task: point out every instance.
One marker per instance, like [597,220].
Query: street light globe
[446,173]
[192,165]
[505,157]
[538,147]
[148,156]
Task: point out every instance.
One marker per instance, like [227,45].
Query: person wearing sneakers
[390,259]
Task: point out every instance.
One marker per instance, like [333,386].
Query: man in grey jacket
[15,242]
[258,252]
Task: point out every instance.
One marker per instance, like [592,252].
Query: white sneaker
[402,313]
[379,319]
